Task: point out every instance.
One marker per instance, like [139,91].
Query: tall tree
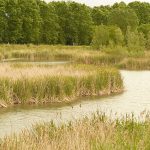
[100,37]
[49,26]
[81,23]
[75,23]
[144,28]
[64,17]
[148,41]
[3,23]
[31,21]
[142,10]
[135,41]
[119,5]
[115,35]
[123,17]
[14,22]
[100,15]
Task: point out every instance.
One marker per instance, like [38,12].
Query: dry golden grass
[13,72]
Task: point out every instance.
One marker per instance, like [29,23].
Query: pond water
[136,98]
[38,62]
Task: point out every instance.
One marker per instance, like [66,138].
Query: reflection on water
[38,62]
[136,98]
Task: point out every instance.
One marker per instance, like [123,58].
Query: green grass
[98,132]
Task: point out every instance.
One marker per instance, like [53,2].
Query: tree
[142,10]
[119,5]
[81,23]
[135,41]
[100,15]
[3,23]
[115,35]
[142,40]
[145,29]
[100,37]
[49,27]
[14,22]
[71,23]
[75,23]
[148,41]
[31,21]
[123,17]
[64,17]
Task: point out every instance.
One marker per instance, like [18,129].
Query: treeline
[35,21]
[71,23]
[123,25]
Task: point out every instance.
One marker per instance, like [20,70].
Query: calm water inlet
[136,98]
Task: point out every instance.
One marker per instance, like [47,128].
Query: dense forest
[71,23]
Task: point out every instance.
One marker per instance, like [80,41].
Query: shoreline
[63,103]
[61,84]
[97,131]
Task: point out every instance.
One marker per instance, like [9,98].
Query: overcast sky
[100,2]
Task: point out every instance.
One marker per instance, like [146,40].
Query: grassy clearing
[95,133]
[57,84]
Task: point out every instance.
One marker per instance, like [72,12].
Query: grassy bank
[95,133]
[42,52]
[56,84]
[118,57]
[78,54]
[135,64]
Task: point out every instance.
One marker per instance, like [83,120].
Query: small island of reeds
[23,84]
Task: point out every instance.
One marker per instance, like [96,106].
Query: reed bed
[100,60]
[135,64]
[57,84]
[95,133]
[42,52]
[80,54]
[77,54]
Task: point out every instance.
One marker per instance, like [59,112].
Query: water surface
[38,62]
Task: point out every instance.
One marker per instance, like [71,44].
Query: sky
[100,2]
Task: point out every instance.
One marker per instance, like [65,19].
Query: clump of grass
[135,64]
[98,132]
[56,84]
[101,59]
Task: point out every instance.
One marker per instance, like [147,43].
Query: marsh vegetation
[117,57]
[97,132]
[96,42]
[56,84]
